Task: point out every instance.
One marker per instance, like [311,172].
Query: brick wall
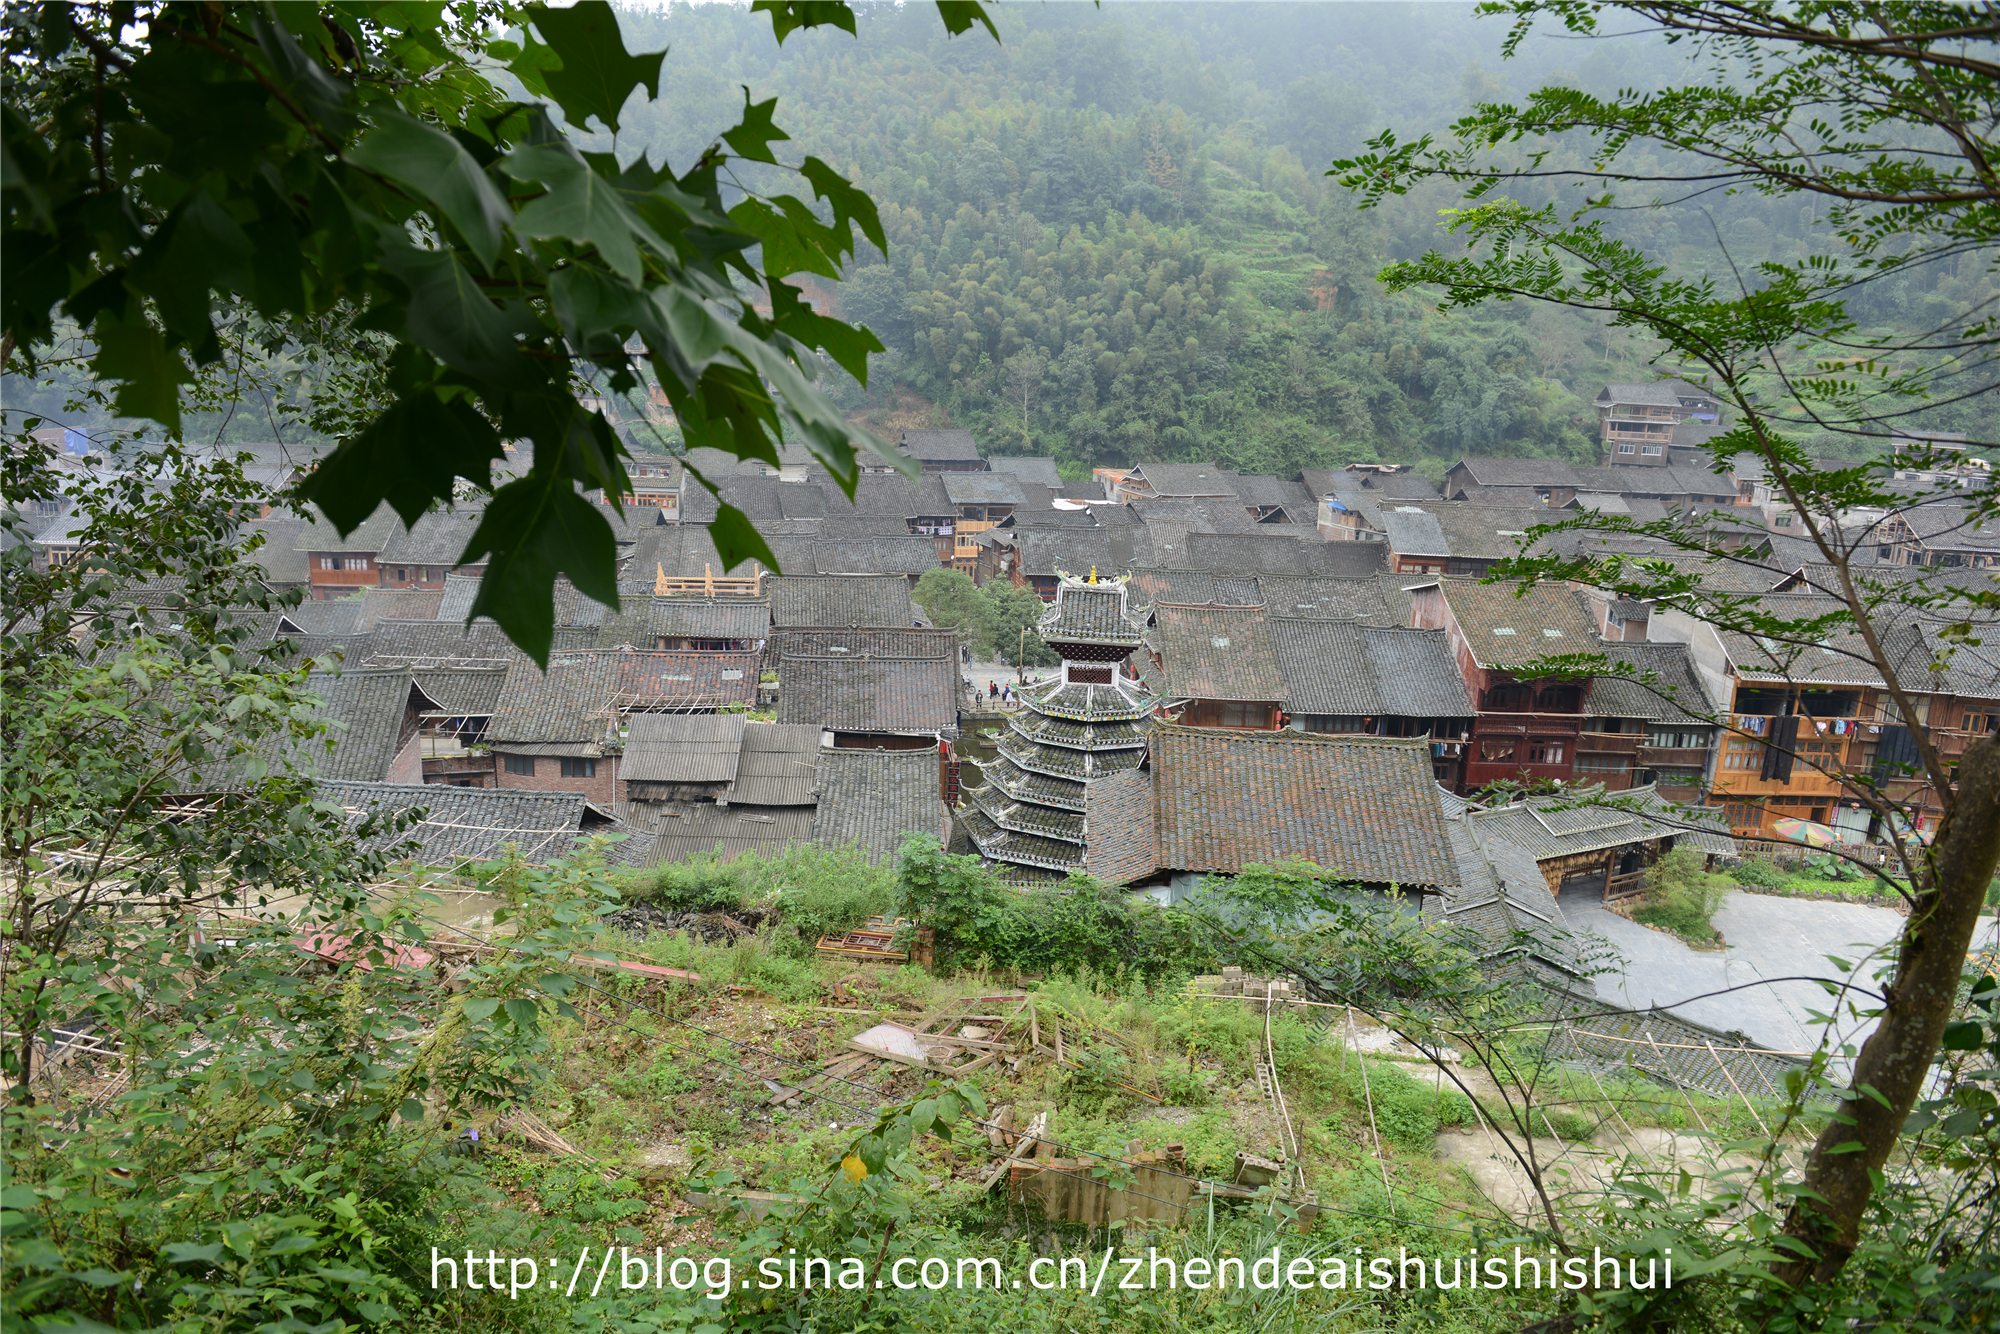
[602,788]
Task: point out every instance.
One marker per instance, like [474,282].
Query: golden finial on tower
[1093,574]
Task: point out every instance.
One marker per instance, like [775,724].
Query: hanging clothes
[1896,747]
[1779,750]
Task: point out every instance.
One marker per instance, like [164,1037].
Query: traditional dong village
[1086,722]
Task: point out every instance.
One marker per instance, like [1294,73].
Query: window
[521,764]
[1982,722]
[1545,752]
[1627,447]
[1783,520]
[579,768]
[402,574]
[1229,713]
[1602,764]
[1653,450]
[327,563]
[1678,738]
[1513,698]
[1497,748]
[1742,815]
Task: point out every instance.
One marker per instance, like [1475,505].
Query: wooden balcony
[1673,757]
[1607,743]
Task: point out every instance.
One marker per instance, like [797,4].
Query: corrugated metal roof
[682,748]
[777,766]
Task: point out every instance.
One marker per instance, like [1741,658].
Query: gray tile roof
[853,524]
[464,692]
[317,533]
[1520,472]
[1575,822]
[1249,553]
[1028,468]
[682,748]
[1503,899]
[1505,630]
[1350,669]
[1089,614]
[1658,393]
[776,766]
[329,616]
[940,446]
[869,694]
[1149,585]
[1459,528]
[982,488]
[1354,598]
[644,618]
[1186,479]
[438,538]
[280,558]
[459,592]
[1053,518]
[1227,800]
[684,830]
[1254,489]
[873,799]
[863,641]
[876,555]
[1171,519]
[1665,686]
[1049,551]
[397,604]
[422,643]
[1217,652]
[799,600]
[578,699]
[475,823]
[367,710]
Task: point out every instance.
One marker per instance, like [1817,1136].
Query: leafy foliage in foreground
[363,165]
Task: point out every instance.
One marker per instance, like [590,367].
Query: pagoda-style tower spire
[1089,722]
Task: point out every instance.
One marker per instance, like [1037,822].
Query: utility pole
[1021,659]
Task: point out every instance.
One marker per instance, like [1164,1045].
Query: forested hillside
[1111,238]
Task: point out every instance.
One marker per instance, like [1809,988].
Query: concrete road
[1769,938]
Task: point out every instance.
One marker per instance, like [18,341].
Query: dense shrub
[1682,897]
[1076,925]
[1756,871]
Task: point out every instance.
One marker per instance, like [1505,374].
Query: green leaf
[580,206]
[188,1253]
[409,457]
[788,16]
[134,352]
[533,530]
[523,1013]
[437,168]
[960,15]
[412,1110]
[1964,1035]
[597,73]
[752,136]
[480,1008]
[199,251]
[851,204]
[302,1078]
[737,541]
[449,316]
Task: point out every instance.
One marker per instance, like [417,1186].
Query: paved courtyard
[1772,941]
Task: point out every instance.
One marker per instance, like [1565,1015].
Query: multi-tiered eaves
[1087,723]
